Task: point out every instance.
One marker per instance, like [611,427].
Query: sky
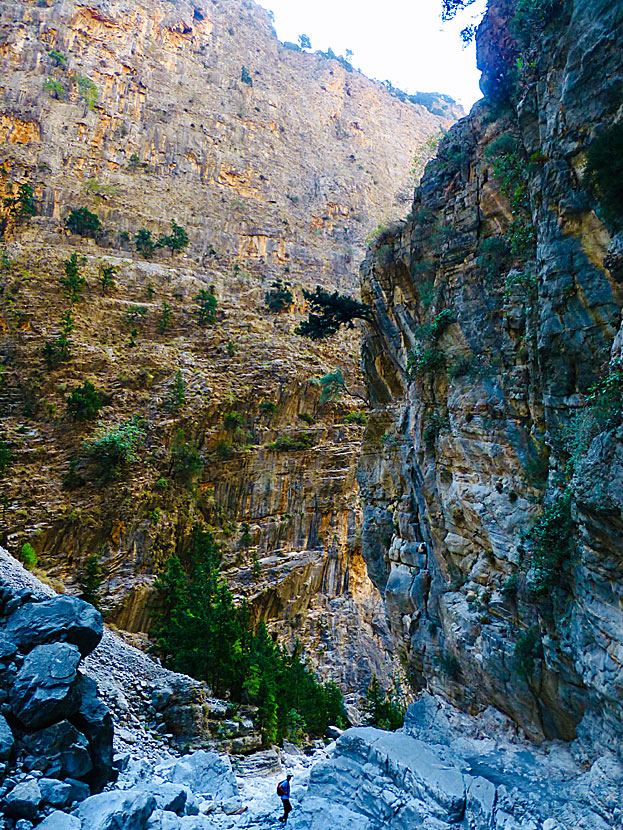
[403,41]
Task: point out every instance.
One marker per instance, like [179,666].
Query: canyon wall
[278,164]
[490,470]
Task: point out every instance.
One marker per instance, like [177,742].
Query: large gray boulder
[59,751]
[23,801]
[45,688]
[94,720]
[6,739]
[206,773]
[54,792]
[116,810]
[60,821]
[60,619]
[320,814]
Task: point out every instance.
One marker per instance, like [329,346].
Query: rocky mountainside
[490,468]
[277,165]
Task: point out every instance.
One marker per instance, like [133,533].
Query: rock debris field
[62,770]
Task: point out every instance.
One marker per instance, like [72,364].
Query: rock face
[278,164]
[496,307]
[43,691]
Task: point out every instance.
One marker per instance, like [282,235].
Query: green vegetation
[114,447]
[333,386]
[58,351]
[166,316]
[232,420]
[6,456]
[531,17]
[382,709]
[86,90]
[83,222]
[206,301]
[177,240]
[144,243]
[603,176]
[55,88]
[329,312]
[58,58]
[178,392]
[224,449]
[436,422]
[267,408]
[200,630]
[449,664]
[426,357]
[245,76]
[73,282]
[107,277]
[23,205]
[305,42]
[84,402]
[28,556]
[279,298]
[72,479]
[511,169]
[91,581]
[528,649]
[493,255]
[521,239]
[359,418]
[449,8]
[186,461]
[551,542]
[291,443]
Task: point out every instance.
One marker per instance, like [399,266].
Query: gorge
[446,518]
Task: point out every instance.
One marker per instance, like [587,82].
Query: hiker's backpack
[281,790]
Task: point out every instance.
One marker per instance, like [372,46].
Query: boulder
[79,790]
[94,720]
[60,821]
[8,649]
[6,739]
[45,688]
[320,814]
[116,810]
[23,800]
[163,820]
[206,773]
[59,751]
[170,797]
[54,792]
[60,619]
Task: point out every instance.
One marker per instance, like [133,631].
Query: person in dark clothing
[283,791]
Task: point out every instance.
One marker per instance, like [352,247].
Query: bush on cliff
[329,312]
[22,206]
[84,402]
[382,709]
[200,630]
[279,298]
[83,222]
[114,447]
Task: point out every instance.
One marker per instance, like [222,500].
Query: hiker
[283,791]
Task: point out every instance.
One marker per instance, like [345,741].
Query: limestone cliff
[491,466]
[278,165]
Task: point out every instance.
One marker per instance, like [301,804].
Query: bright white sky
[403,41]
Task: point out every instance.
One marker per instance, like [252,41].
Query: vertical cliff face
[492,501]
[278,164]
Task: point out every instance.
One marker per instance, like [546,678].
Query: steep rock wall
[278,164]
[481,359]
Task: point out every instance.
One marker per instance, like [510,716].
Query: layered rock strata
[496,308]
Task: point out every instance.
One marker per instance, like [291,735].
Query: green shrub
[86,90]
[114,447]
[289,443]
[359,418]
[521,239]
[224,450]
[232,420]
[246,538]
[329,312]
[424,359]
[552,544]
[84,402]
[510,168]
[206,301]
[528,649]
[91,581]
[135,314]
[83,222]
[493,255]
[449,663]
[436,422]
[279,298]
[166,316]
[23,205]
[55,88]
[333,386]
[6,456]
[306,418]
[536,468]
[603,176]
[58,351]
[267,408]
[72,480]
[186,461]
[73,282]
[107,277]
[511,586]
[144,243]
[28,556]
[531,17]
[178,392]
[382,709]
[245,76]
[176,240]
[57,58]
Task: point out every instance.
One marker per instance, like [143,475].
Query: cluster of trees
[201,631]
